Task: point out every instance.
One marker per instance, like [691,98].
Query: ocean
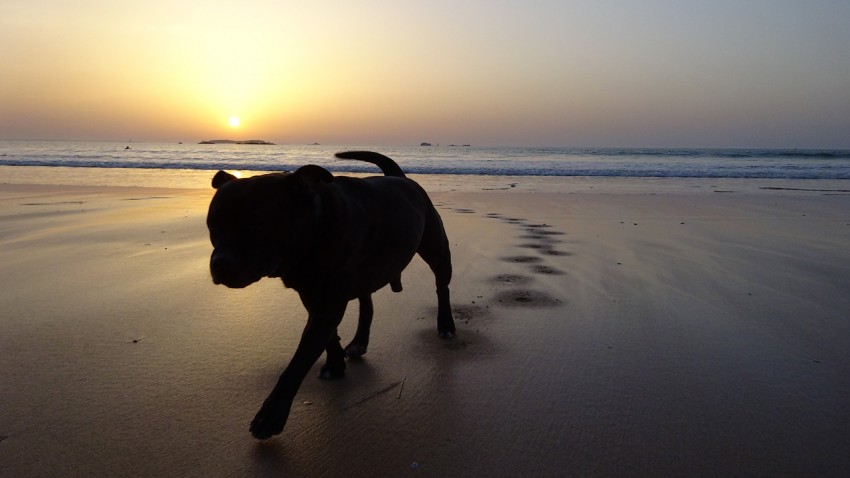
[440,160]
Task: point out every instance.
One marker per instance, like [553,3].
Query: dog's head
[262,225]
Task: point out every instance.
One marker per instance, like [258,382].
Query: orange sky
[626,73]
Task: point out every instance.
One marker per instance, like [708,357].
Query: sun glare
[234,121]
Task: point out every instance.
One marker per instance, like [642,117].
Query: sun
[234,121]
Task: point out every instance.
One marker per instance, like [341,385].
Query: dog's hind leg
[321,327]
[334,366]
[360,343]
[434,250]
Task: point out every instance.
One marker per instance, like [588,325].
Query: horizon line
[433,145]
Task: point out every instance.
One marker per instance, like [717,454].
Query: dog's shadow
[369,383]
[272,459]
[471,342]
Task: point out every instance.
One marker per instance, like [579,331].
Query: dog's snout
[220,268]
[229,271]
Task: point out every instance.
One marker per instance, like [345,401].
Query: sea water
[456,160]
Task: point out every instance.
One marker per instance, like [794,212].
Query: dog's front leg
[321,326]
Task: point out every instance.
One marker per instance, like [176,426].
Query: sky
[663,73]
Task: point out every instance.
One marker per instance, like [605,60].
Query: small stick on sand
[401,389]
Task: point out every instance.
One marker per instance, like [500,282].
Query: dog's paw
[445,324]
[446,328]
[355,351]
[269,421]
[332,372]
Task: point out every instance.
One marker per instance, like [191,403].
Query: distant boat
[424,144]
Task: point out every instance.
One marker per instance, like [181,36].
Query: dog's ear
[221,178]
[313,174]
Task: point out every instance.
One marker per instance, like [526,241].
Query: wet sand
[604,329]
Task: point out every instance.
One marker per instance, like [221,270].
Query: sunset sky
[663,73]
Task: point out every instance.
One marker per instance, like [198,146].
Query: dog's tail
[387,165]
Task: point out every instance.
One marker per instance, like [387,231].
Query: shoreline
[608,328]
[200,179]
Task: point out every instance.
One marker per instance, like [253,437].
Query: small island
[231,141]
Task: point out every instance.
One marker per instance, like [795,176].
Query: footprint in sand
[540,238]
[526,298]
[511,279]
[546,270]
[521,297]
[530,245]
[522,259]
[555,252]
[465,313]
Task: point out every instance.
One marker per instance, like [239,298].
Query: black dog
[332,239]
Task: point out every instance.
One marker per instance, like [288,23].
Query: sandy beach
[631,328]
